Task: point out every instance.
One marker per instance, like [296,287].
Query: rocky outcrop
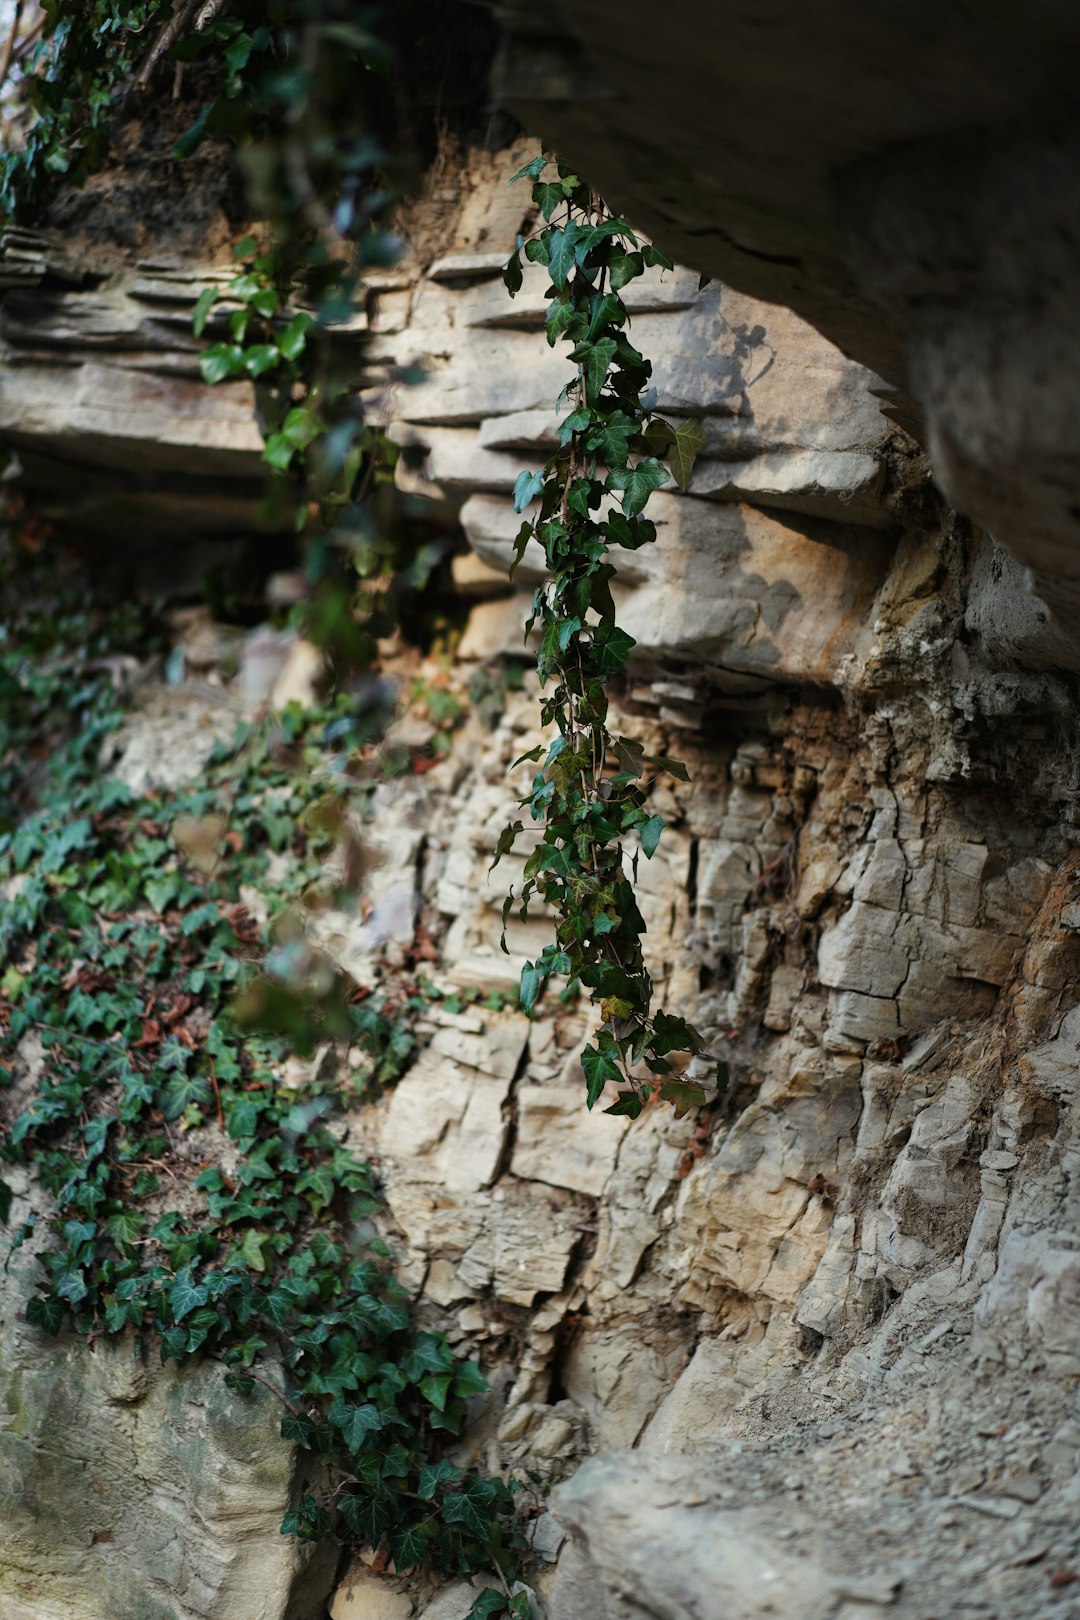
[817,1341]
[906,182]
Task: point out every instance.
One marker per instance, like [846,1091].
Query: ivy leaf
[508,836]
[627,1103]
[611,443]
[637,483]
[125,1228]
[203,305]
[658,437]
[650,835]
[471,1506]
[577,497]
[293,340]
[684,1095]
[469,1380]
[185,1294]
[561,253]
[429,1354]
[671,1034]
[623,268]
[161,891]
[432,1475]
[595,359]
[548,195]
[532,170]
[631,755]
[560,316]
[533,978]
[221,360]
[278,451]
[511,274]
[673,767]
[261,357]
[409,1547]
[527,487]
[355,1423]
[688,445]
[630,533]
[524,535]
[606,309]
[252,1249]
[600,1068]
[181,1091]
[487,1605]
[369,1517]
[652,256]
[45,1312]
[611,648]
[435,1388]
[318,1183]
[297,1428]
[576,422]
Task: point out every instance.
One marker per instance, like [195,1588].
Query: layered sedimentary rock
[831,1322]
[905,181]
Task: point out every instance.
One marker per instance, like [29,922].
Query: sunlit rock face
[817,1343]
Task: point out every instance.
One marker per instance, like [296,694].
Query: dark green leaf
[471,1506]
[600,1068]
[409,1547]
[628,1103]
[561,253]
[650,834]
[526,489]
[611,648]
[203,305]
[435,1388]
[673,767]
[531,171]
[549,195]
[689,442]
[185,1294]
[652,256]
[432,1475]
[595,360]
[623,268]
[512,277]
[221,360]
[637,483]
[487,1605]
[532,981]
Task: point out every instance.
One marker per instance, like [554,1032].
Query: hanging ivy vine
[591,791]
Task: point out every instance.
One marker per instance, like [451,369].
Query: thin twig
[9,43]
[249,1372]
[30,38]
[165,41]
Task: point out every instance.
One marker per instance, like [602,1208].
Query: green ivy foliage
[197,1202]
[591,791]
[86,51]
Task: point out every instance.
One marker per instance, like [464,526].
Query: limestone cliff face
[905,181]
[819,1345]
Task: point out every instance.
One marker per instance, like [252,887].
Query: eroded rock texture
[904,180]
[824,1336]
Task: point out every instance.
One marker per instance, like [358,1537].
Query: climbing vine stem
[591,789]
